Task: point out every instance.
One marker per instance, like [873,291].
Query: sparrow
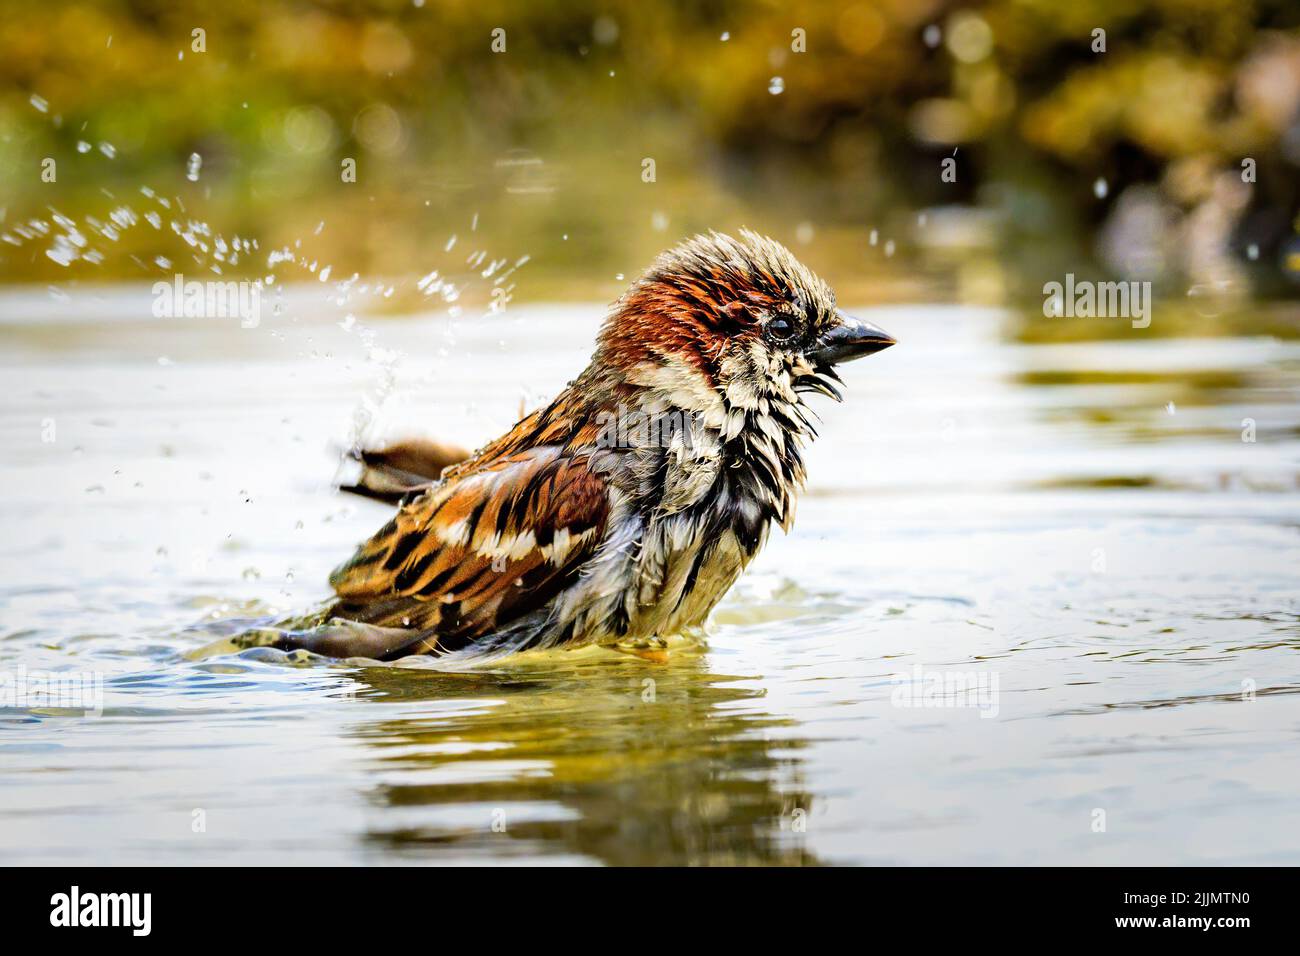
[623,511]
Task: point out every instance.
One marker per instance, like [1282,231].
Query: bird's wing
[474,554]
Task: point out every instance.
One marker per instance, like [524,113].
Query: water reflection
[598,759]
[1108,525]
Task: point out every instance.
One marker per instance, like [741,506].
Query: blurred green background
[826,125]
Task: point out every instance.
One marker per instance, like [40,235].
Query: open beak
[848,339]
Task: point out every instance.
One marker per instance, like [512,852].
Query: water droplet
[776,86]
[192,169]
[1209,299]
[1100,188]
[40,103]
[83,146]
[1252,252]
[932,35]
[725,36]
[108,149]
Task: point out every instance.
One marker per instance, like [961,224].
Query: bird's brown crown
[713,293]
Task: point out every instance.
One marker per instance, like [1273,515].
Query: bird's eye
[781,329]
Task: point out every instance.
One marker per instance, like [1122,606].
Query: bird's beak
[849,338]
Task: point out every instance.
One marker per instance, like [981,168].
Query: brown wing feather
[474,553]
[563,424]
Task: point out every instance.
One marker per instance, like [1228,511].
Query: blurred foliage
[1065,156]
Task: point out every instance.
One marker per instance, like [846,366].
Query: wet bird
[623,511]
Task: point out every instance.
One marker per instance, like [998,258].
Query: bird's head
[738,321]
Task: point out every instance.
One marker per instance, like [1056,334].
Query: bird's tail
[392,472]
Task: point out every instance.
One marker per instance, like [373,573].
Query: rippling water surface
[1078,529]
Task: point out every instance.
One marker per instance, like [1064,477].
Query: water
[1082,523]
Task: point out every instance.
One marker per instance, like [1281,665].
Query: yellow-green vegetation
[821,123]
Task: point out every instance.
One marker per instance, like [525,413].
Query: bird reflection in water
[585,757]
